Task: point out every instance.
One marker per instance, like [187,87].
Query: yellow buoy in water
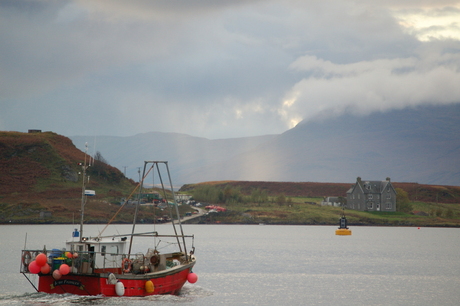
[343,231]
[343,228]
[149,287]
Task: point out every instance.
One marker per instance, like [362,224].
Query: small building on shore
[333,201]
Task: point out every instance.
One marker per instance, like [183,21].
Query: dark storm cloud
[219,69]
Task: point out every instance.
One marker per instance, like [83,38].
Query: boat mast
[141,183]
[155,163]
[83,195]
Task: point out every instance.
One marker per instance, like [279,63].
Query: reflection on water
[267,265]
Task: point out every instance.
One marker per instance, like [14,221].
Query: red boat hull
[169,283]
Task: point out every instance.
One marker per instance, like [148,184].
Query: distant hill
[419,145]
[40,182]
[187,155]
[39,172]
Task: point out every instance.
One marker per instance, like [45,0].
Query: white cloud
[218,69]
[369,86]
[431,20]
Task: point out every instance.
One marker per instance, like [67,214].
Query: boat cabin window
[77,247]
[111,249]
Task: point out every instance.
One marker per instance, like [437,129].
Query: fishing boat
[106,265]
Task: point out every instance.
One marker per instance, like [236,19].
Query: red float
[192,278]
[64,269]
[34,267]
[41,259]
[45,269]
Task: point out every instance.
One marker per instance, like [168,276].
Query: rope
[126,201]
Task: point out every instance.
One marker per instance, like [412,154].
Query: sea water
[272,265]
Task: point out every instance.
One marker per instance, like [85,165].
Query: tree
[99,164]
[259,196]
[280,199]
[402,201]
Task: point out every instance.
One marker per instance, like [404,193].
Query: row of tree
[232,195]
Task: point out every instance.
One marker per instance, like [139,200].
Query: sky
[220,69]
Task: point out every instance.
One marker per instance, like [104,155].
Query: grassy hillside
[299,203]
[41,182]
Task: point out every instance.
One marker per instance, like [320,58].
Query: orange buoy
[126,265]
[149,287]
[45,269]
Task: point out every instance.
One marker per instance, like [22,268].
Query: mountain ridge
[410,145]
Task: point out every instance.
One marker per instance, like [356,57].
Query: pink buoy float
[56,274]
[64,269]
[34,267]
[192,278]
[41,259]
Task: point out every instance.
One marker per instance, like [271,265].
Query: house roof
[371,186]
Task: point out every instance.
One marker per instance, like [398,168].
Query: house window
[388,205]
[103,250]
[388,196]
[370,197]
[370,205]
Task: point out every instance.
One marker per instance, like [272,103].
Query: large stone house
[372,196]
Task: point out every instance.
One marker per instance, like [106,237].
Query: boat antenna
[83,194]
[343,219]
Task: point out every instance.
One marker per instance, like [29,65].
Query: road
[199,214]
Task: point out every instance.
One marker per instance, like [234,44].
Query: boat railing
[104,262]
[81,262]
